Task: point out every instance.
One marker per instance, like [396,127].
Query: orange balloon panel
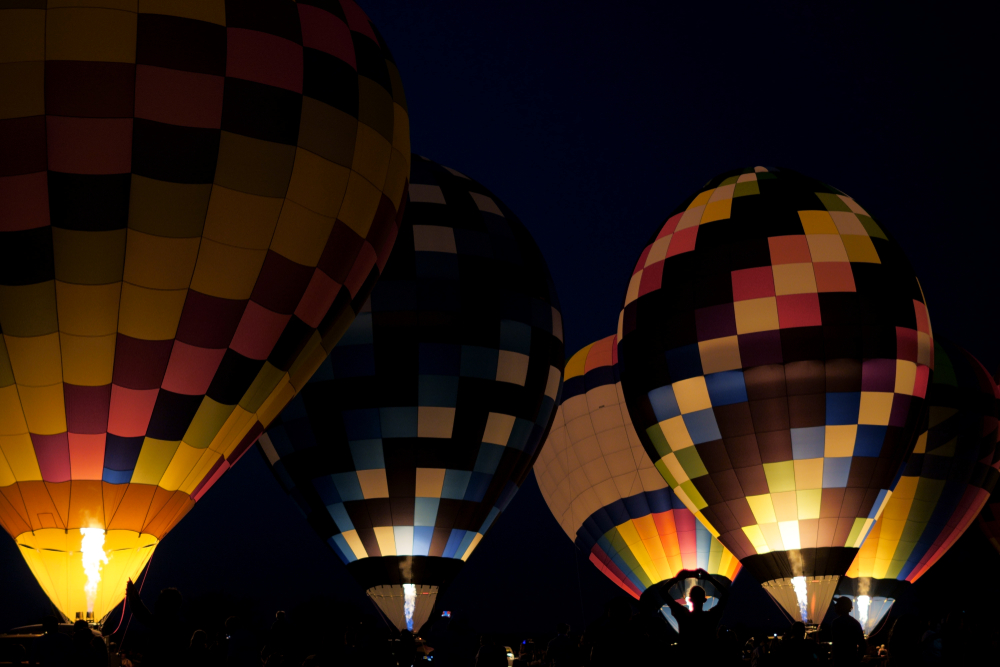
[195,199]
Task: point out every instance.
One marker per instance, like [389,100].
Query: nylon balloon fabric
[775,349]
[416,432]
[946,482]
[603,490]
[195,200]
[948,477]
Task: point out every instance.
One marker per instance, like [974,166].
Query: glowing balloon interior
[195,198]
[870,611]
[603,490]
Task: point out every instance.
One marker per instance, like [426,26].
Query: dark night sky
[592,121]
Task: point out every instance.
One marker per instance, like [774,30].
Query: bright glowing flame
[92,548]
[864,602]
[802,595]
[409,604]
[690,605]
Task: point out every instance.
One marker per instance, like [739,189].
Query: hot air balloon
[603,490]
[195,199]
[945,483]
[416,432]
[774,351]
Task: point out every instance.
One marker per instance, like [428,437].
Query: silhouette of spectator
[406,648]
[957,641]
[849,644]
[697,625]
[82,650]
[198,651]
[561,649]
[54,648]
[351,653]
[170,635]
[904,641]
[240,649]
[610,635]
[795,650]
[18,655]
[759,655]
[491,653]
[99,651]
[278,637]
[728,650]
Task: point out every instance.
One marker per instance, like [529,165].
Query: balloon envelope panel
[602,488]
[416,432]
[775,350]
[946,480]
[195,199]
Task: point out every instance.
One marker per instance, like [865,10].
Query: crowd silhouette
[623,636]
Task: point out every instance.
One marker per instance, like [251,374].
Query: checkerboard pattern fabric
[416,432]
[775,350]
[947,478]
[603,490]
[195,198]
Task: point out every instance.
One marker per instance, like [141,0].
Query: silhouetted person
[199,654]
[406,650]
[54,648]
[904,641]
[18,655]
[795,650]
[849,644]
[610,645]
[83,653]
[240,650]
[491,653]
[170,635]
[278,637]
[99,651]
[561,648]
[697,626]
[351,653]
[728,650]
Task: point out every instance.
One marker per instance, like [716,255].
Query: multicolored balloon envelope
[602,488]
[416,432]
[194,200]
[774,350]
[945,483]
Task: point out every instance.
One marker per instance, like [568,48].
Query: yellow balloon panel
[56,558]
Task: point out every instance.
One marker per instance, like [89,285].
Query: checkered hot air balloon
[195,198]
[417,431]
[602,488]
[775,350]
[946,481]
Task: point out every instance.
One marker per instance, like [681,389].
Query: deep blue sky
[592,121]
